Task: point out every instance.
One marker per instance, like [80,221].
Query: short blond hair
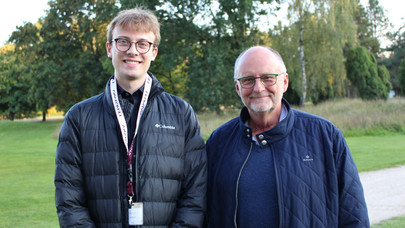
[139,19]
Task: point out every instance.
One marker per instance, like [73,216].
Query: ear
[237,87]
[108,46]
[154,53]
[285,82]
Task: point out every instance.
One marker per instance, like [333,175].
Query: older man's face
[261,99]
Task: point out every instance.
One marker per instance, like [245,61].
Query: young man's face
[131,65]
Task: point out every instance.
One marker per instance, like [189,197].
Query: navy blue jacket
[317,180]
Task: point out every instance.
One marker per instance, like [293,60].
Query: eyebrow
[126,37]
[249,75]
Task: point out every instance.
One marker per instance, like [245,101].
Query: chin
[261,109]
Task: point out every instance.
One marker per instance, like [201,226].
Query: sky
[15,12]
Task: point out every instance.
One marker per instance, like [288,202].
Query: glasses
[266,80]
[124,45]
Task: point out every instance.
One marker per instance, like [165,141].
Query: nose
[258,85]
[132,49]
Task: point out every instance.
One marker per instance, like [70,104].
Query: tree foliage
[365,28]
[401,76]
[80,27]
[61,59]
[328,27]
[371,80]
[210,67]
[397,49]
[377,17]
[14,84]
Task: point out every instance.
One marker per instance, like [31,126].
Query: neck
[131,85]
[261,122]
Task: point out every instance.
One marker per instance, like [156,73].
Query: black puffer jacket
[91,169]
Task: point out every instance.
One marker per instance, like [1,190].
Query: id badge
[135,214]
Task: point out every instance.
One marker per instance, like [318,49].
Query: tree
[313,47]
[14,85]
[401,76]
[27,41]
[363,72]
[397,50]
[229,29]
[365,30]
[377,17]
[384,75]
[72,50]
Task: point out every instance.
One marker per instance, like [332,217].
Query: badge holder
[135,213]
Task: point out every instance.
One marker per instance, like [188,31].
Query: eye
[268,78]
[143,44]
[249,80]
[122,41]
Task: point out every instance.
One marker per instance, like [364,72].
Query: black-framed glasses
[141,46]
[249,82]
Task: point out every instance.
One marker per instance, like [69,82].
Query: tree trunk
[303,75]
[43,116]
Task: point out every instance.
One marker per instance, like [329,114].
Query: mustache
[258,95]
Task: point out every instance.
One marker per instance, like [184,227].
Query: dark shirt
[130,106]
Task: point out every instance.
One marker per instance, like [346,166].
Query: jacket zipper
[278,191]
[137,156]
[137,152]
[237,185]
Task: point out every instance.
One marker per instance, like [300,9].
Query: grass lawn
[27,151]
[398,222]
[377,152]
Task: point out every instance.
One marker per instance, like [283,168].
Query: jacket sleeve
[69,187]
[352,204]
[191,205]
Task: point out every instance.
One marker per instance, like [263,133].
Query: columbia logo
[165,127]
[307,159]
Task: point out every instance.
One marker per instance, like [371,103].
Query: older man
[275,166]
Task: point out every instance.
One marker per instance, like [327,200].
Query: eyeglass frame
[261,79]
[130,45]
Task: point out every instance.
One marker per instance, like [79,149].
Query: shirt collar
[121,90]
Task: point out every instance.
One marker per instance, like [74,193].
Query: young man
[275,166]
[133,155]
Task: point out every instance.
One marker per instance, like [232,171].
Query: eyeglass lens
[141,46]
[267,80]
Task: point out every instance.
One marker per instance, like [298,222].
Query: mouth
[258,96]
[132,62]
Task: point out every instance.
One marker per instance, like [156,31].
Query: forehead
[132,32]
[259,61]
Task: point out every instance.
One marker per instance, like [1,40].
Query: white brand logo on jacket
[307,159]
[165,127]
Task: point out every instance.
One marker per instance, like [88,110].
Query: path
[384,191]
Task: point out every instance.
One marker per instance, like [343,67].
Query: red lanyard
[123,125]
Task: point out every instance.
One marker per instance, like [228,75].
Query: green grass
[377,152]
[27,151]
[397,222]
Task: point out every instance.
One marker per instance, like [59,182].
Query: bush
[364,73]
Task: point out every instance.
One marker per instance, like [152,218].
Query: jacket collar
[277,133]
[155,90]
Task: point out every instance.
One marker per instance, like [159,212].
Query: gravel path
[384,191]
